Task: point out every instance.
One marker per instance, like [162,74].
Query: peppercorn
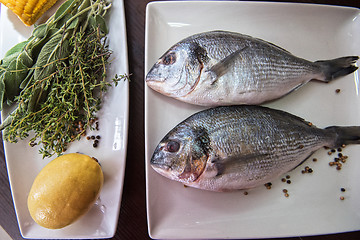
[342,198]
[342,189]
[288,181]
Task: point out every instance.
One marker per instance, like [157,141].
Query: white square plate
[24,162]
[313,32]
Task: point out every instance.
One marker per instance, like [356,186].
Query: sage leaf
[17,48]
[35,99]
[2,91]
[40,31]
[27,79]
[100,22]
[64,9]
[53,50]
[13,53]
[37,44]
[25,59]
[64,20]
[74,23]
[13,77]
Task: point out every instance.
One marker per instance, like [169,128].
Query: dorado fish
[225,68]
[241,147]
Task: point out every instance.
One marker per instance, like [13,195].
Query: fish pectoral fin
[235,164]
[223,66]
[227,165]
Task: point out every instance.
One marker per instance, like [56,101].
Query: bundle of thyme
[57,76]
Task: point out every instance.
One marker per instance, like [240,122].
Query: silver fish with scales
[225,68]
[240,147]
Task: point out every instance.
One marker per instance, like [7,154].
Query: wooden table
[132,221]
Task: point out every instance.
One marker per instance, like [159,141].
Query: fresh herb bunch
[57,77]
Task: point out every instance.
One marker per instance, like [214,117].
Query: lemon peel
[64,190]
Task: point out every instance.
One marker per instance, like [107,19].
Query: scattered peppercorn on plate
[106,141]
[310,201]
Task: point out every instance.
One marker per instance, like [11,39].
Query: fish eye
[172,146]
[169,59]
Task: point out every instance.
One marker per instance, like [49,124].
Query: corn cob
[28,10]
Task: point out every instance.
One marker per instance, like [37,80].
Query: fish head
[178,71]
[182,154]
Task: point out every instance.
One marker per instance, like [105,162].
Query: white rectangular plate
[24,162]
[313,32]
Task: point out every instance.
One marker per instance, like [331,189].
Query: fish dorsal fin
[273,45]
[223,66]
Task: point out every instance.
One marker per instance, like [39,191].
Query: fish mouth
[155,84]
[163,170]
[150,78]
[157,165]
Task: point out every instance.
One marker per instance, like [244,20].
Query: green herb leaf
[74,23]
[64,9]
[17,48]
[2,91]
[100,22]
[13,53]
[58,77]
[40,31]
[13,77]
[50,52]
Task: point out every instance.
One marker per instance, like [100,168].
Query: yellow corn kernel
[29,11]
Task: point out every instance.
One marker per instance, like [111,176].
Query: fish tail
[345,135]
[338,67]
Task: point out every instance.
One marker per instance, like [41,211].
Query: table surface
[132,220]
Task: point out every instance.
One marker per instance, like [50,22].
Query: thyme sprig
[58,97]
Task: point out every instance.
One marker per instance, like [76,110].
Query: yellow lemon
[64,190]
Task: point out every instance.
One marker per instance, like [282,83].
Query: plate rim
[150,9]
[125,88]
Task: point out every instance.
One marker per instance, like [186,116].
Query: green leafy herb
[57,76]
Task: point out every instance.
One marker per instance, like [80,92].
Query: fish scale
[240,147]
[226,68]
